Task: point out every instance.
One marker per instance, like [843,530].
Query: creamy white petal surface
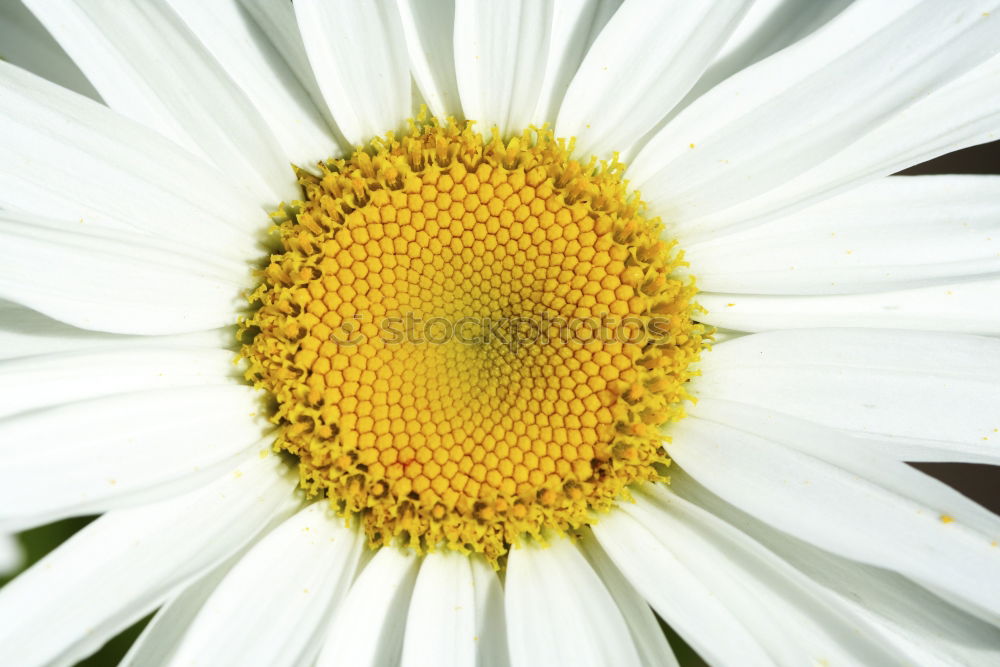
[89,163]
[367,628]
[150,66]
[159,639]
[915,395]
[366,89]
[273,605]
[429,31]
[618,94]
[128,562]
[775,119]
[27,44]
[892,233]
[794,622]
[115,281]
[650,642]
[11,554]
[768,472]
[913,620]
[499,47]
[242,49]
[575,26]
[559,611]
[26,333]
[455,614]
[164,442]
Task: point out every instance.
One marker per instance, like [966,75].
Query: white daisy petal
[126,563]
[575,26]
[85,162]
[560,613]
[451,616]
[644,61]
[242,48]
[826,488]
[498,47]
[25,333]
[273,605]
[11,554]
[161,636]
[44,381]
[894,232]
[277,21]
[776,119]
[115,281]
[679,597]
[26,43]
[367,628]
[149,66]
[491,625]
[921,626]
[964,113]
[429,28]
[796,621]
[959,307]
[650,642]
[121,450]
[767,27]
[358,52]
[918,396]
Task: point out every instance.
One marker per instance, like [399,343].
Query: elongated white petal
[50,380]
[277,21]
[85,162]
[767,27]
[11,554]
[891,233]
[161,636]
[780,117]
[126,563]
[429,31]
[498,47]
[120,282]
[962,306]
[273,605]
[919,625]
[796,621]
[917,396]
[491,624]
[25,43]
[25,333]
[644,61]
[963,113]
[367,628]
[148,65]
[450,612]
[824,487]
[122,450]
[575,26]
[358,52]
[681,599]
[650,642]
[560,613]
[243,50]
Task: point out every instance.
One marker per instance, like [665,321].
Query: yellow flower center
[471,340]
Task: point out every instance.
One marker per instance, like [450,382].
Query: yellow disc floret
[471,340]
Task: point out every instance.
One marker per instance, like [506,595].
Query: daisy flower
[499,332]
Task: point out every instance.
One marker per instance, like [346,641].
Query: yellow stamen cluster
[471,340]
